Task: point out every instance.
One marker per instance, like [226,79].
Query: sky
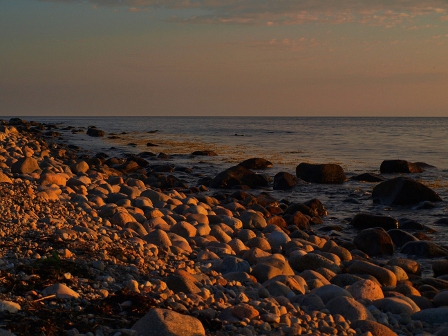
[223,58]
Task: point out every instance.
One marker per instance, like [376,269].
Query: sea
[358,144]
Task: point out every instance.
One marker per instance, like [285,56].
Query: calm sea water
[358,144]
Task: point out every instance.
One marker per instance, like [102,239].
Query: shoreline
[96,247]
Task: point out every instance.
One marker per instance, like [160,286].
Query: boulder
[384,276]
[374,241]
[256,163]
[95,132]
[432,315]
[253,220]
[284,181]
[403,191]
[25,165]
[164,322]
[424,249]
[373,327]
[366,290]
[238,175]
[349,308]
[328,292]
[399,166]
[400,237]
[363,221]
[329,173]
[311,261]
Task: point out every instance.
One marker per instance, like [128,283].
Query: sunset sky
[224,57]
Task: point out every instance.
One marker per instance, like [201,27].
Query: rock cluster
[110,246]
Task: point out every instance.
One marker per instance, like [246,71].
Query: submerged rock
[329,173]
[256,163]
[363,221]
[403,191]
[238,175]
[399,166]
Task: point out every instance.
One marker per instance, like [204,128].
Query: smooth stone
[403,191]
[321,173]
[400,237]
[312,261]
[25,165]
[256,163]
[61,291]
[432,315]
[232,264]
[253,220]
[384,276]
[349,308]
[363,221]
[365,290]
[441,299]
[396,305]
[328,292]
[399,166]
[9,306]
[284,181]
[425,249]
[164,322]
[375,328]
[374,241]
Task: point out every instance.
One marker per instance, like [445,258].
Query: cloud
[386,13]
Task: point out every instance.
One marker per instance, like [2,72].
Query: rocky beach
[104,245]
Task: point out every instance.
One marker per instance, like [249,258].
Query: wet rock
[374,241]
[363,221]
[424,249]
[321,173]
[164,322]
[399,166]
[311,261]
[256,163]
[441,299]
[284,181]
[400,237]
[403,191]
[95,132]
[396,305]
[238,175]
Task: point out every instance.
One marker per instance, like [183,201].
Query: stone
[321,173]
[244,310]
[284,181]
[400,237]
[399,166]
[25,165]
[232,264]
[4,178]
[410,266]
[424,249]
[182,284]
[441,299]
[375,328]
[61,291]
[159,238]
[51,178]
[403,191]
[384,276]
[396,305]
[311,261]
[204,153]
[363,221]
[9,306]
[80,167]
[366,290]
[328,292]
[253,220]
[374,241]
[164,322]
[256,163]
[184,229]
[349,308]
[238,175]
[95,132]
[432,315]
